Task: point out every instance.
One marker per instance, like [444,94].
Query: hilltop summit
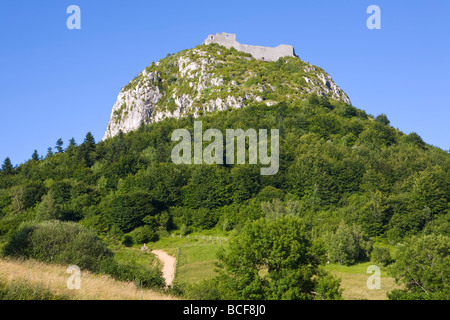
[217,75]
[228,40]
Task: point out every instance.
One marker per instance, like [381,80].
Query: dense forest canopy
[337,165]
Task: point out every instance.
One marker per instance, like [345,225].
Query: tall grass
[24,290]
[50,281]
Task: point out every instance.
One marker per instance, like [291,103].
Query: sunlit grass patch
[354,281]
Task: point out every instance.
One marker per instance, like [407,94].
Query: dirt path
[168,262]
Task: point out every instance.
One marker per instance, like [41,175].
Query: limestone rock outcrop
[212,78]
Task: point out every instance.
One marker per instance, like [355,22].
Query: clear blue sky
[60,83]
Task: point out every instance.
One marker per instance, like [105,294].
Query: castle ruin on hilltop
[228,40]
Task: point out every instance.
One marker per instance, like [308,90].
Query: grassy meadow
[197,259]
[354,281]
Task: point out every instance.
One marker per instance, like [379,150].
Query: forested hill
[339,168]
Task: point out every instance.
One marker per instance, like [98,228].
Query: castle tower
[223,37]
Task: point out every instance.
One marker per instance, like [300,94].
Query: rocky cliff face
[209,78]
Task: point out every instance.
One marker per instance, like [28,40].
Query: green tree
[415,139]
[422,265]
[35,156]
[128,211]
[7,167]
[439,225]
[343,246]
[32,193]
[87,150]
[72,143]
[48,209]
[276,209]
[275,260]
[348,245]
[127,240]
[17,203]
[143,234]
[270,193]
[59,145]
[207,187]
[89,140]
[374,213]
[183,230]
[61,191]
[382,118]
[431,188]
[381,255]
[71,147]
[245,182]
[161,145]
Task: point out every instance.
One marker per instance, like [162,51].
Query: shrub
[381,255]
[143,234]
[269,193]
[226,226]
[183,230]
[59,242]
[142,277]
[127,240]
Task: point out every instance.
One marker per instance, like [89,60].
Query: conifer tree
[87,149]
[7,167]
[71,147]
[35,156]
[89,140]
[59,145]
[72,143]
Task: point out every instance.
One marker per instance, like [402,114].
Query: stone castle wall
[228,40]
